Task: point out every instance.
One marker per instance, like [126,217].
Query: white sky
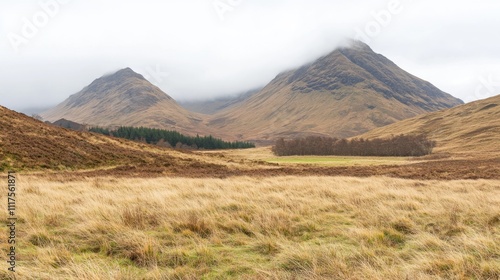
[192,51]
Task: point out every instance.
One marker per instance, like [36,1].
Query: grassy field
[284,227]
[265,154]
[340,160]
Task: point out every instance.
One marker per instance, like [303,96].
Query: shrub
[401,145]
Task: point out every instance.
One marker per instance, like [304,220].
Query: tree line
[400,145]
[170,138]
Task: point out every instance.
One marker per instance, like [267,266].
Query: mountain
[125,98]
[473,128]
[347,92]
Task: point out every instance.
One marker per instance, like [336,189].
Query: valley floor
[252,227]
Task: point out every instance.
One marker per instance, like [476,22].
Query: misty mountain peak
[353,87]
[356,69]
[358,46]
[121,77]
[124,73]
[124,88]
[124,98]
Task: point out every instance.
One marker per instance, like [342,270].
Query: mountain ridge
[333,96]
[347,92]
[125,98]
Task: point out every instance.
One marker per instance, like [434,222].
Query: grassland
[339,160]
[284,227]
[440,166]
[264,154]
[93,207]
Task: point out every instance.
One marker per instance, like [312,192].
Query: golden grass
[469,129]
[257,228]
[339,160]
[261,153]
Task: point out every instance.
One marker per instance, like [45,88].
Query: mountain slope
[125,99]
[350,91]
[470,128]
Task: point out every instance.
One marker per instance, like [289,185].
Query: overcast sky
[199,49]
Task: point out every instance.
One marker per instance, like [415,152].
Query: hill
[126,98]
[345,93]
[29,144]
[472,128]
[70,125]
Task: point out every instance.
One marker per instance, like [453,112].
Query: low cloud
[192,52]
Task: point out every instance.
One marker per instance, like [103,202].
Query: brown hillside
[29,144]
[348,92]
[126,99]
[469,129]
